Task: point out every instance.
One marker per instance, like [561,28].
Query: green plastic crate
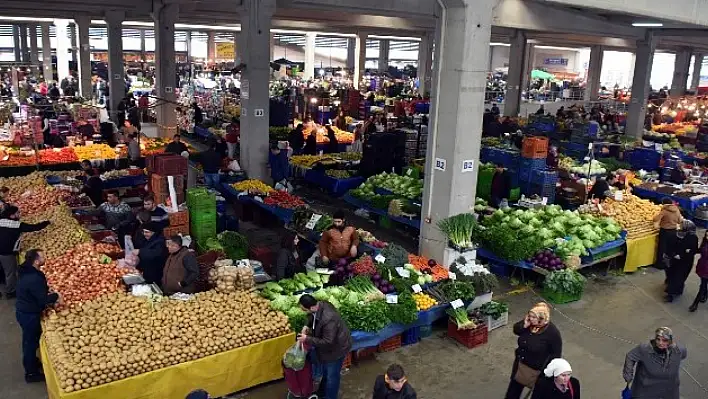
[196,217]
[605,254]
[560,298]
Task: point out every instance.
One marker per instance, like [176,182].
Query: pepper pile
[283,200]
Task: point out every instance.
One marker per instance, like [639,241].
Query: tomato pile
[57,156]
[283,200]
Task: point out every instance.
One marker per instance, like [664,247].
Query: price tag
[619,196]
[658,147]
[544,200]
[380,258]
[313,221]
[452,275]
[391,298]
[409,172]
[403,272]
[416,288]
[457,303]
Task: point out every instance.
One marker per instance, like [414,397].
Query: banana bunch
[253,186]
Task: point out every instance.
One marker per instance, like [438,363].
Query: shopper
[653,368]
[152,254]
[501,185]
[118,215]
[333,145]
[138,237]
[4,195]
[341,121]
[288,261]
[233,135]
[393,385]
[198,115]
[311,144]
[133,150]
[328,334]
[296,139]
[702,272]
[681,253]
[33,297]
[601,187]
[539,341]
[211,163]
[181,268]
[558,382]
[340,241]
[10,231]
[85,129]
[667,221]
[278,165]
[93,186]
[128,130]
[176,146]
[158,215]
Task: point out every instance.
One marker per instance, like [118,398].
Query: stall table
[415,223]
[641,252]
[219,374]
[687,204]
[337,187]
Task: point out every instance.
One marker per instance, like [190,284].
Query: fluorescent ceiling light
[559,48]
[27,19]
[500,44]
[647,24]
[401,38]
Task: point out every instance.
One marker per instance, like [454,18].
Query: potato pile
[63,234]
[633,214]
[118,336]
[226,277]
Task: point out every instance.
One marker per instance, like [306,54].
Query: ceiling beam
[703,33]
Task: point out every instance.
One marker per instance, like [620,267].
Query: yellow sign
[225,51]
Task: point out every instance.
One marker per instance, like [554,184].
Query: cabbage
[282,303]
[321,295]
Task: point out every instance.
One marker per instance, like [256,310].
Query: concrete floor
[595,330]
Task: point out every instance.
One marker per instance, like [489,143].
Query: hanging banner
[225,51]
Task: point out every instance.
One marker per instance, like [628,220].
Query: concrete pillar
[16,41]
[640,85]
[384,49]
[351,54]
[62,47]
[24,46]
[143,58]
[190,64]
[47,68]
[310,39]
[632,63]
[165,70]
[84,56]
[74,42]
[116,72]
[237,48]
[34,52]
[592,87]
[360,59]
[211,47]
[681,67]
[271,56]
[425,62]
[697,66]
[460,74]
[255,37]
[517,68]
[530,65]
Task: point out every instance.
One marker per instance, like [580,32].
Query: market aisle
[442,369]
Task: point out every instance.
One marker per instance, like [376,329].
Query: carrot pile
[423,264]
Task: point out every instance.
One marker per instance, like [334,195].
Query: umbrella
[538,74]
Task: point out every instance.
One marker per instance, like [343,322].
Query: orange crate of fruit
[535,147]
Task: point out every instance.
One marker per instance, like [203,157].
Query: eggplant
[432,263]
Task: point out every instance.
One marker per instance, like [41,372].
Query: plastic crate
[560,298]
[160,184]
[390,344]
[161,198]
[263,255]
[425,331]
[535,147]
[410,336]
[527,166]
[347,361]
[168,165]
[544,177]
[493,324]
[470,338]
[179,218]
[175,230]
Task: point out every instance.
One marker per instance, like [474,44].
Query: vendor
[152,253]
[289,261]
[393,385]
[296,139]
[181,268]
[158,215]
[198,115]
[311,144]
[118,215]
[176,146]
[85,129]
[602,187]
[340,241]
[93,186]
[668,221]
[278,164]
[501,185]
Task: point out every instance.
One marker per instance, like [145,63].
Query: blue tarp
[125,181]
[687,204]
[283,214]
[337,187]
[202,132]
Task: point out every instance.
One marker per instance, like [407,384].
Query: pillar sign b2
[258,112]
[440,164]
[467,165]
[168,89]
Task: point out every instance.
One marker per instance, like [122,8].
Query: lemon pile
[424,301]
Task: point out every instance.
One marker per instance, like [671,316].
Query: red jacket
[232,134]
[702,265]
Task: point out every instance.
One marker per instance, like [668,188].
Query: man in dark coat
[33,297]
[181,268]
[152,254]
[296,139]
[176,146]
[501,185]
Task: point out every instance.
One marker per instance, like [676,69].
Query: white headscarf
[557,367]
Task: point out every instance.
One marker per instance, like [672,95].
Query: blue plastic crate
[425,331]
[544,177]
[410,336]
[499,269]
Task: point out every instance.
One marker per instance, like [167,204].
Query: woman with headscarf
[558,382]
[702,272]
[333,145]
[539,342]
[152,254]
[653,368]
[681,255]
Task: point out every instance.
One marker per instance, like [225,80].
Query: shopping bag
[294,358]
[627,393]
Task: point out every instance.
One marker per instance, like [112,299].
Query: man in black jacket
[393,385]
[10,231]
[501,185]
[33,297]
[158,215]
[176,146]
[211,163]
[330,336]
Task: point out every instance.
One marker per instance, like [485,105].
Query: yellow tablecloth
[641,252]
[218,374]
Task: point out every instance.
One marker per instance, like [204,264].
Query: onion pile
[118,336]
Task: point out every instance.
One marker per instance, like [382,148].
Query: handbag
[627,393]
[525,375]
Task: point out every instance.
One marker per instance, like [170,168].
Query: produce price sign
[416,288]
[391,298]
[457,303]
[381,259]
[403,272]
[452,276]
[313,221]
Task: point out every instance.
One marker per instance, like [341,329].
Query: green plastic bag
[295,357]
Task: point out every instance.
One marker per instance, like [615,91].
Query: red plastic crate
[263,255]
[535,147]
[347,361]
[161,198]
[469,338]
[175,230]
[180,218]
[390,344]
[167,164]
[365,353]
[159,184]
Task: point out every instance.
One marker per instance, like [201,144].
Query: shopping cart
[300,383]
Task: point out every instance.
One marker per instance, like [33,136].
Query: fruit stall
[335,173]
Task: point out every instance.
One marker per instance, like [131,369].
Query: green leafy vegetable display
[458,229]
[235,245]
[364,287]
[457,290]
[565,281]
[405,311]
[460,317]
[370,317]
[396,255]
[494,309]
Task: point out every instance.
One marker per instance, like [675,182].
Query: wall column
[592,88]
[360,59]
[16,41]
[143,58]
[528,68]
[517,68]
[211,47]
[460,73]
[384,49]
[84,56]
[697,66]
[34,51]
[425,61]
[271,56]
[24,46]
[47,68]
[681,66]
[237,49]
[644,58]
[62,48]
[310,41]
[165,79]
[255,36]
[116,72]
[351,54]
